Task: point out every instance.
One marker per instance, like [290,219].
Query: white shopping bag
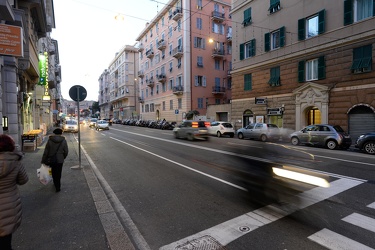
[44,174]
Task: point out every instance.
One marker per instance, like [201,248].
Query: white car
[102,124]
[221,128]
[70,126]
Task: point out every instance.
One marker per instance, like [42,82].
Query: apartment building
[297,63]
[184,59]
[106,112]
[123,97]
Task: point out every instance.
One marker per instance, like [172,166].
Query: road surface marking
[233,229]
[361,221]
[334,241]
[372,205]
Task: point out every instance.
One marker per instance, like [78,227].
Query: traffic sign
[77,93]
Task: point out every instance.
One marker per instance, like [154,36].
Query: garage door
[360,124]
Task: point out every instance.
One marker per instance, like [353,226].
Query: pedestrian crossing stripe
[361,221]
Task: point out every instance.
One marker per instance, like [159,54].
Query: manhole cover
[203,243]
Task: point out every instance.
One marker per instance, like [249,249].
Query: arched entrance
[361,120]
[313,115]
[157,115]
[247,117]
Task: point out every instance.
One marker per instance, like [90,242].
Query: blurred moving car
[330,136]
[92,122]
[366,142]
[191,130]
[70,126]
[259,131]
[102,125]
[221,128]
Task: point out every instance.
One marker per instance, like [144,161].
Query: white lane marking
[372,205]
[361,221]
[240,144]
[335,241]
[181,165]
[234,229]
[230,153]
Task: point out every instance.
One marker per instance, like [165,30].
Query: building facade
[298,63]
[184,60]
[106,109]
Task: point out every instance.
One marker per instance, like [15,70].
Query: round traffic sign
[77,93]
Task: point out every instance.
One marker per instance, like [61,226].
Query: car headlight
[361,136]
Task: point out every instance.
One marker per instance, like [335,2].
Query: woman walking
[12,173]
[56,145]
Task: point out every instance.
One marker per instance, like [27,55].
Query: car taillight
[207,124]
[194,125]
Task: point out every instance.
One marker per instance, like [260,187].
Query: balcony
[150,53]
[177,52]
[141,99]
[141,47]
[161,45]
[229,38]
[217,16]
[161,77]
[218,53]
[217,90]
[141,73]
[178,90]
[150,82]
[177,14]
[229,74]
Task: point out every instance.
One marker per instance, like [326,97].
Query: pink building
[185,59]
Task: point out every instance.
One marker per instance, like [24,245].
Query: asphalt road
[183,194]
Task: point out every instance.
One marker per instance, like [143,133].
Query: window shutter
[373,7]
[301,29]
[196,81]
[321,68]
[203,43]
[301,71]
[348,12]
[267,42]
[322,16]
[253,47]
[204,81]
[242,54]
[282,36]
[195,42]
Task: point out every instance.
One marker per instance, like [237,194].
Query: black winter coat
[51,147]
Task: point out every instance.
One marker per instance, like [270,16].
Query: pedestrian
[12,173]
[56,145]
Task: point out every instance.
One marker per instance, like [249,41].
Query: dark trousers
[6,242]
[56,175]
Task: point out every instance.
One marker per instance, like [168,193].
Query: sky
[89,36]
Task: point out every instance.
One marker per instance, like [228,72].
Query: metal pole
[79,129]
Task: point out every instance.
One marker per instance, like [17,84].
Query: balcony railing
[229,38]
[218,53]
[229,74]
[150,82]
[177,14]
[141,99]
[161,45]
[177,52]
[149,53]
[217,16]
[141,73]
[218,90]
[178,90]
[161,77]
[141,48]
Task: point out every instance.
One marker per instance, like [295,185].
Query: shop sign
[43,69]
[11,40]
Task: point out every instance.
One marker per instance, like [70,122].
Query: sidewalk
[70,219]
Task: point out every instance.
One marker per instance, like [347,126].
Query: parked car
[92,122]
[191,130]
[102,125]
[70,126]
[259,131]
[221,128]
[330,136]
[366,142]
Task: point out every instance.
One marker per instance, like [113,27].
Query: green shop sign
[43,69]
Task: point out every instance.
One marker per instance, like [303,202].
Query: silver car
[326,135]
[259,131]
[191,130]
[102,125]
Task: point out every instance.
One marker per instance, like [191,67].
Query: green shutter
[242,50]
[267,42]
[246,17]
[348,12]
[247,82]
[321,17]
[367,56]
[301,29]
[282,36]
[357,58]
[321,68]
[301,71]
[252,50]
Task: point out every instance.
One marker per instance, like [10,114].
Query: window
[170,66]
[179,25]
[179,103]
[199,4]
[218,28]
[246,17]
[274,40]
[311,26]
[200,103]
[357,10]
[362,59]
[170,85]
[274,6]
[275,77]
[200,61]
[199,42]
[162,22]
[217,64]
[247,49]
[200,81]
[247,82]
[163,105]
[179,62]
[157,89]
[170,48]
[217,101]
[170,104]
[312,69]
[170,31]
[199,23]
[179,81]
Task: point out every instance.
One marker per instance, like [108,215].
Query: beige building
[184,58]
[106,110]
[297,63]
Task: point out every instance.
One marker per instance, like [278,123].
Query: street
[182,193]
